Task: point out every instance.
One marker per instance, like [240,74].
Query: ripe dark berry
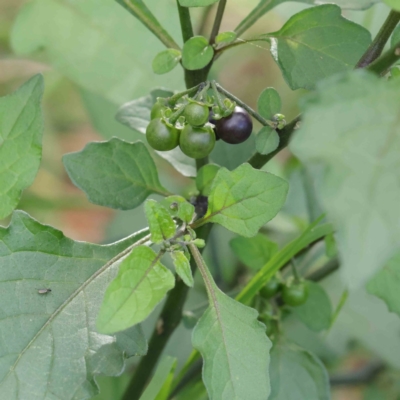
[236,128]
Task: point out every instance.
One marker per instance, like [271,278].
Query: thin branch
[252,112]
[204,19]
[383,63]
[378,44]
[186,22]
[147,18]
[168,320]
[218,20]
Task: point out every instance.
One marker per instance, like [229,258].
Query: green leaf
[166,61]
[162,227]
[179,207]
[115,174]
[40,330]
[316,312]
[141,283]
[160,385]
[245,199]
[267,140]
[197,53]
[316,43]
[197,3]
[253,252]
[182,267]
[136,115]
[385,284]
[395,4]
[350,147]
[295,371]
[21,129]
[269,103]
[235,350]
[225,37]
[265,5]
[96,43]
[395,39]
[205,177]
[282,257]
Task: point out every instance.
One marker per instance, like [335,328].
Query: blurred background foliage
[94,57]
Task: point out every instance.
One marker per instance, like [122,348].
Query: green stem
[217,21]
[169,319]
[186,22]
[383,63]
[173,99]
[146,17]
[294,271]
[201,162]
[203,20]
[378,44]
[252,112]
[218,99]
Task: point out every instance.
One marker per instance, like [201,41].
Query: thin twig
[217,21]
[376,47]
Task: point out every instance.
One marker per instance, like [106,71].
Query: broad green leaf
[182,267]
[95,43]
[225,37]
[395,39]
[179,207]
[266,5]
[385,284]
[316,312]
[196,53]
[395,4]
[316,43]
[141,283]
[350,140]
[267,140]
[136,115]
[196,3]
[205,177]
[269,103]
[235,350]
[254,252]
[21,129]
[296,372]
[49,341]
[245,199]
[282,257]
[114,174]
[161,224]
[160,385]
[166,61]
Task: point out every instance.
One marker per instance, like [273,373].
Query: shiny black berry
[234,129]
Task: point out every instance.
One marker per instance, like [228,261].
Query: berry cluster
[194,124]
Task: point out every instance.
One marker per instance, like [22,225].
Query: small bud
[200,243]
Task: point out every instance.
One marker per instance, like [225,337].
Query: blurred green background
[94,57]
